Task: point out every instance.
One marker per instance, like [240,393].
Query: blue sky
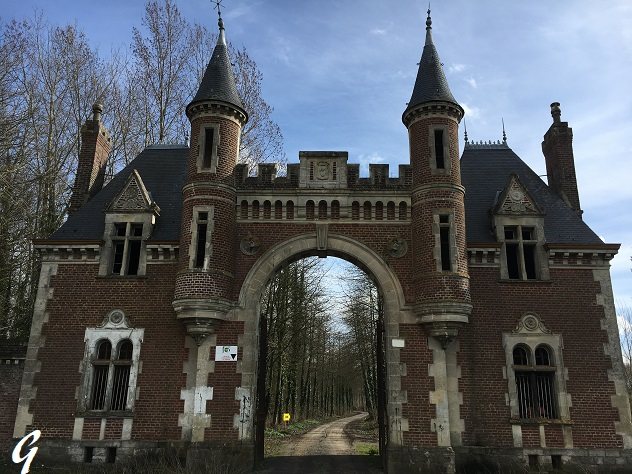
[339,74]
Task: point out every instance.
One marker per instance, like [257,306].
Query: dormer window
[129,221]
[518,224]
[520,251]
[126,245]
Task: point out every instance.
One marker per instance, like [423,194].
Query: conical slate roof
[431,84]
[218,82]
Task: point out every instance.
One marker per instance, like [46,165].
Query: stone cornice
[433,109]
[211,107]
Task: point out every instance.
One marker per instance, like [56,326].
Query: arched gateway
[500,343]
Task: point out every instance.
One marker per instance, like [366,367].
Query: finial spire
[465,129]
[504,134]
[428,20]
[220,21]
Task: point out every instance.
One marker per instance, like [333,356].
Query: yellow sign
[286,417]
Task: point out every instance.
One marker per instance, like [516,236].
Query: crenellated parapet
[323,170]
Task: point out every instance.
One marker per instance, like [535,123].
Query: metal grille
[544,385]
[100,386]
[110,382]
[120,387]
[535,395]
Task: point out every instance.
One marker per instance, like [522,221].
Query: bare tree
[49,76]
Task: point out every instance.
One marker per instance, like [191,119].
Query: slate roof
[431,84]
[163,171]
[485,171]
[218,82]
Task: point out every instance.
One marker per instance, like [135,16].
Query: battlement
[323,170]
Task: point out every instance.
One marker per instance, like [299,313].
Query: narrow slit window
[207,158]
[438,138]
[200,250]
[444,240]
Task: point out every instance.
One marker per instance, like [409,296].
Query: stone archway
[395,312]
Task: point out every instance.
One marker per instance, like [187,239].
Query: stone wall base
[237,458]
[518,460]
[409,460]
[205,457]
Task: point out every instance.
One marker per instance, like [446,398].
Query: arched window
[367,210]
[390,210]
[322,209]
[111,376]
[267,209]
[403,211]
[244,209]
[535,383]
[335,209]
[355,210]
[278,210]
[289,210]
[379,210]
[309,209]
[255,209]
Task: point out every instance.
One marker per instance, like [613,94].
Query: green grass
[367,449]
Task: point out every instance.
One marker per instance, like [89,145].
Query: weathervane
[218,4]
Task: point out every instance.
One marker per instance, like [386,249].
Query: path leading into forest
[323,450]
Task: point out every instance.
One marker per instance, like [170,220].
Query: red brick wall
[567,306]
[81,300]
[418,385]
[224,379]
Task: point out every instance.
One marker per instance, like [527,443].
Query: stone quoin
[501,343]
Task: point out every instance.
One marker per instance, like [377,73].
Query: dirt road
[325,449]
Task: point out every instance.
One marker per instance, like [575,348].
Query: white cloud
[364,161]
[471,81]
[471,112]
[379,31]
[456,68]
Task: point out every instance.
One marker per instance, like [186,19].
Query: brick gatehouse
[501,341]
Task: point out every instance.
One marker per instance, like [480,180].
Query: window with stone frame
[126,248]
[535,373]
[111,371]
[518,223]
[445,246]
[535,382]
[201,232]
[129,221]
[208,141]
[111,365]
[520,252]
[439,143]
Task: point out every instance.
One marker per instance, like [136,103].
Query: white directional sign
[226,353]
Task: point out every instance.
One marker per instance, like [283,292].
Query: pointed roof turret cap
[431,84]
[218,83]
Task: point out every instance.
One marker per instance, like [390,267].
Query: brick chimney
[560,164]
[93,158]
